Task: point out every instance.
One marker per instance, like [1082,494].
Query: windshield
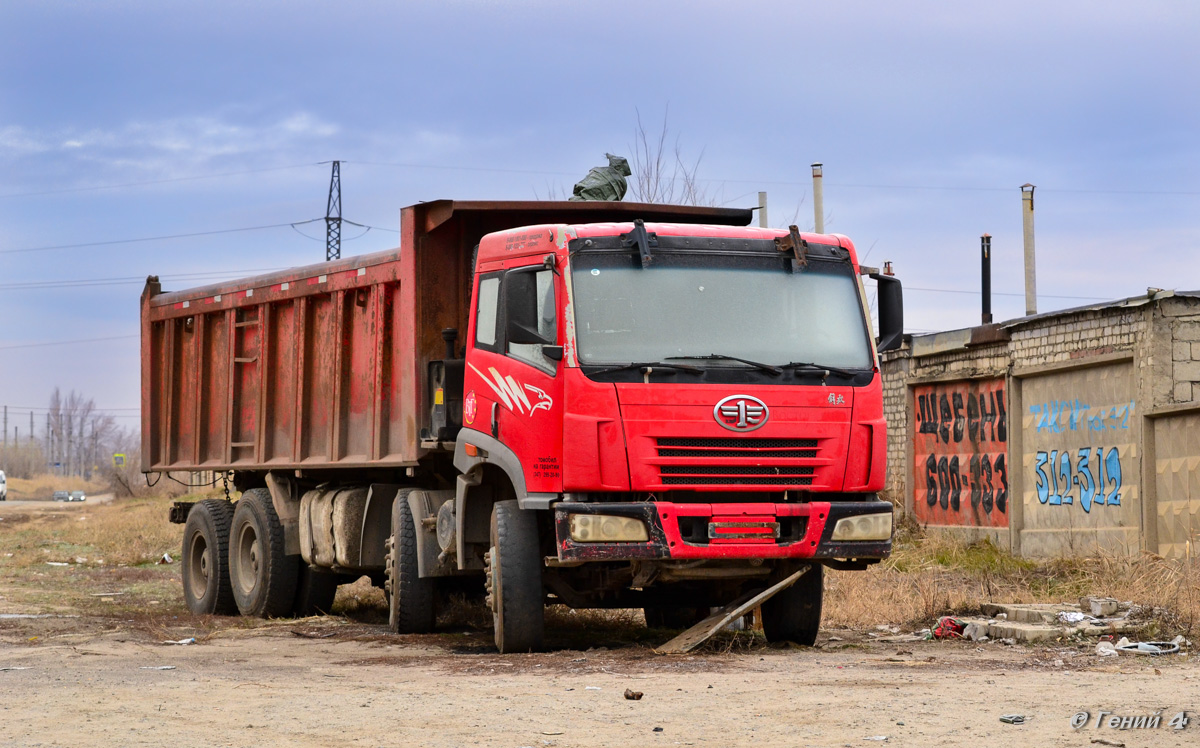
[716,304]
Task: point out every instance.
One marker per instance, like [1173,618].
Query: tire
[205,559]
[411,599]
[674,618]
[315,590]
[262,575]
[795,614]
[514,580]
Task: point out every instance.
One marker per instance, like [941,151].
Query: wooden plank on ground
[703,631]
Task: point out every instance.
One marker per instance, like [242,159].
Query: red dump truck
[597,405]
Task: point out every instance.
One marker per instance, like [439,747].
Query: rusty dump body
[323,367]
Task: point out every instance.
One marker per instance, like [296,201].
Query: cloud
[168,147]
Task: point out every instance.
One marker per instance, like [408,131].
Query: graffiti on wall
[1094,475]
[960,454]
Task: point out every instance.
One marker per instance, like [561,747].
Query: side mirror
[520,309]
[891,312]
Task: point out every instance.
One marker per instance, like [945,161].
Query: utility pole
[31,427]
[333,215]
[5,425]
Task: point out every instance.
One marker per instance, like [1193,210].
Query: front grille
[735,453]
[748,455]
[735,469]
[734,447]
[741,443]
[696,480]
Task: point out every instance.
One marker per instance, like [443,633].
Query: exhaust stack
[1030,265]
[985,257]
[818,199]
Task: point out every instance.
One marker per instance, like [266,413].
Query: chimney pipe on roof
[818,199]
[985,256]
[1030,264]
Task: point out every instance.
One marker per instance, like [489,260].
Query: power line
[1001,293]
[123,185]
[66,342]
[133,279]
[365,226]
[159,238]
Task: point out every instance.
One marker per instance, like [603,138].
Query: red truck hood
[676,441]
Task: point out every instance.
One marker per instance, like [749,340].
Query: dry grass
[930,575]
[44,486]
[127,532]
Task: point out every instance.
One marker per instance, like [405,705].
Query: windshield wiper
[652,365]
[715,356]
[820,367]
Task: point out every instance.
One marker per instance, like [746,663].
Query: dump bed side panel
[300,369]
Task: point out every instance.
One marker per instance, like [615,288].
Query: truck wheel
[206,588]
[411,607]
[795,614]
[263,576]
[315,590]
[514,580]
[674,618]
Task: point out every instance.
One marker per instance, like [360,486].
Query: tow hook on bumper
[729,531]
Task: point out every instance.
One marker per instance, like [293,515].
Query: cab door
[512,384]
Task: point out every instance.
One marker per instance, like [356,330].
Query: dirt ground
[95,671]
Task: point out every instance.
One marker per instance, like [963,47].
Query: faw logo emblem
[741,413]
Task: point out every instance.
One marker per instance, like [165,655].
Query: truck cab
[684,409]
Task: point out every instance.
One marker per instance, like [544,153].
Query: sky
[135,119]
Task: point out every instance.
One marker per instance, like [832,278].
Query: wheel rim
[198,565]
[248,555]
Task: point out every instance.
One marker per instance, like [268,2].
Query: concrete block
[1182,351]
[1189,331]
[1186,371]
[1183,392]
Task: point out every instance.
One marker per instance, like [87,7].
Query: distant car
[62,496]
[77,496]
[3,487]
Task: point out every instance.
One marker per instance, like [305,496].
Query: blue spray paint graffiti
[1058,472]
[1057,477]
[1048,416]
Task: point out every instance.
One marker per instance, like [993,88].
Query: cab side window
[487,313]
[531,316]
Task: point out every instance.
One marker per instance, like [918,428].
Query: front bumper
[725,531]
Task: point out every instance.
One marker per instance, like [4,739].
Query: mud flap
[703,631]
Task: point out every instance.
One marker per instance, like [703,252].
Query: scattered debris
[949,628]
[592,688]
[1100,607]
[182,642]
[57,563]
[13,667]
[1106,649]
[166,559]
[633,695]
[1013,719]
[658,729]
[1149,648]
[1071,617]
[312,635]
[157,667]
[107,594]
[877,737]
[1105,741]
